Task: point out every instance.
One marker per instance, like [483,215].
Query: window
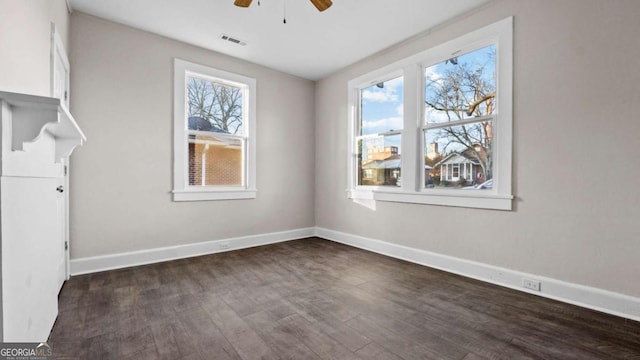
[214,127]
[460,95]
[379,133]
[442,119]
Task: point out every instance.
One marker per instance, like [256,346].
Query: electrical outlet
[531,284]
[224,246]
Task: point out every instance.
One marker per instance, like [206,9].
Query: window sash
[243,149]
[216,134]
[460,122]
[448,176]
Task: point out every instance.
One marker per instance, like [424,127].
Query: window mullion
[410,135]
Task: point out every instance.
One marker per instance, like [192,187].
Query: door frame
[58,51]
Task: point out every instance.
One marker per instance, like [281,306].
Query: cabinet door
[30,251]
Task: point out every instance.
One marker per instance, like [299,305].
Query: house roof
[457,158]
[383,164]
[202,124]
[390,163]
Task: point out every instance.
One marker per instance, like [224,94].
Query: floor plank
[316,299]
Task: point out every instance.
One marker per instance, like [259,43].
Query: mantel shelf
[33,115]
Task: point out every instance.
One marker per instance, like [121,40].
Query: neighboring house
[204,149]
[382,172]
[460,166]
[382,166]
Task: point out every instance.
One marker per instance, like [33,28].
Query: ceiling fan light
[322,5]
[242,3]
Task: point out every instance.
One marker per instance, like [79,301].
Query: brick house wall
[222,164]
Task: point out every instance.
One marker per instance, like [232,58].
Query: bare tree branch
[474,105]
[221,105]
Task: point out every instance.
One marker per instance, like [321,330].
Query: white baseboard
[584,296]
[122,260]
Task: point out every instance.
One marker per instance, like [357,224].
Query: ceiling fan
[321,5]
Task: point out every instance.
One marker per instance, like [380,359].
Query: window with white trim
[214,127]
[446,126]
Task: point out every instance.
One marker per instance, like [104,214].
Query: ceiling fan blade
[242,3]
[322,5]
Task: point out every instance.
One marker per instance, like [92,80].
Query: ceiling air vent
[231,39]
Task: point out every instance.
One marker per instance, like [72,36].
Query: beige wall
[122,97]
[25,43]
[576,128]
[575,93]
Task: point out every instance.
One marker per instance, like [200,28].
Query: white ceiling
[311,44]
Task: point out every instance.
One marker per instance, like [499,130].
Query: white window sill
[217,194]
[479,199]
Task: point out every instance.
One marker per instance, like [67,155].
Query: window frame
[413,189]
[182,191]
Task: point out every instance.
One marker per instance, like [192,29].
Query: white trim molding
[143,257]
[588,297]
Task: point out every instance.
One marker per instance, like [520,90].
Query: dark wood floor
[315,299]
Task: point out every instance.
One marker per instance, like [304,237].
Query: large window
[214,144]
[460,95]
[450,134]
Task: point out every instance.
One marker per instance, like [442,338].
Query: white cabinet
[38,135]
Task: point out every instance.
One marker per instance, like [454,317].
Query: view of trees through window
[436,127]
[459,100]
[217,103]
[215,131]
